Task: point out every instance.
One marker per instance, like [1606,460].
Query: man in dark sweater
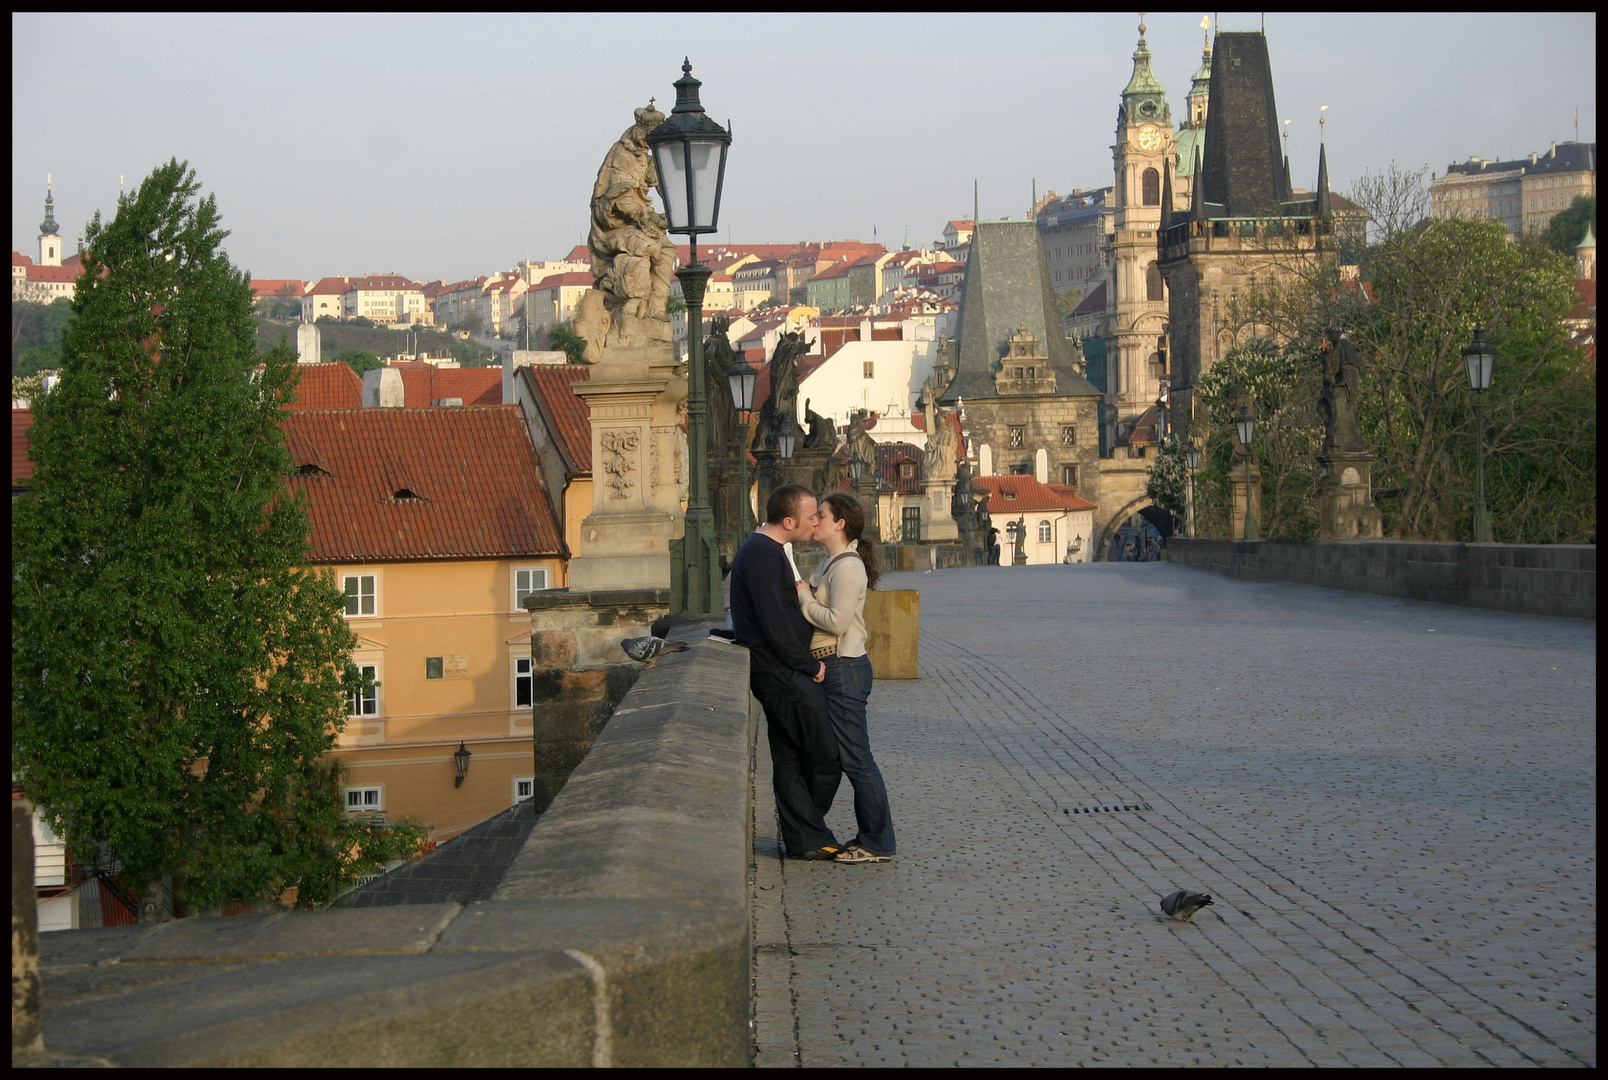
[765,617]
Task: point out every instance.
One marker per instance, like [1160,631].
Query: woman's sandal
[854,853]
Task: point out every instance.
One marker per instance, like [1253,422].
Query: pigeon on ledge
[1183,903]
[648,649]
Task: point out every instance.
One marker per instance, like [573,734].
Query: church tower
[1191,138]
[1137,313]
[49,234]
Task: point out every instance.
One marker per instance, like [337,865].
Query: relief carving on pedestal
[620,446]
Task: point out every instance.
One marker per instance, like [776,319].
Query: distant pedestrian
[834,602]
[993,547]
[786,680]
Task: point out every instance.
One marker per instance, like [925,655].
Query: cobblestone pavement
[1392,802]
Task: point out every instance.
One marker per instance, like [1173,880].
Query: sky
[450,146]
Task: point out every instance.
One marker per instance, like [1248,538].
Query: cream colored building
[386,298]
[1523,194]
[1058,525]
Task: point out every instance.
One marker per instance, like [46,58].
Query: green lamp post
[1481,359]
[689,151]
[1245,424]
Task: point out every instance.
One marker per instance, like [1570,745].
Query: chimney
[382,388]
[1532,157]
[1554,151]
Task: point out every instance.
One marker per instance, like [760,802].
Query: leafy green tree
[1568,227]
[1165,480]
[36,332]
[1424,291]
[178,672]
[356,359]
[565,338]
[675,304]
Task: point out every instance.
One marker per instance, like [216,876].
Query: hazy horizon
[451,146]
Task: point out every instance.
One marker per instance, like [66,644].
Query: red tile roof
[328,386]
[385,281]
[426,384]
[578,253]
[571,278]
[571,419]
[330,286]
[19,259]
[52,273]
[1021,494]
[277,287]
[471,477]
[21,467]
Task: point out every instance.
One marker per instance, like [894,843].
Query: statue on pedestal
[1341,374]
[941,441]
[822,432]
[633,259]
[719,356]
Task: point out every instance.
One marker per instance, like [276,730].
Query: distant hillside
[336,337]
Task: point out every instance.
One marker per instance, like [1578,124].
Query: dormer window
[309,469]
[1010,496]
[405,493]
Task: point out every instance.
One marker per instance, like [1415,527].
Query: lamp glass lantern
[1193,453]
[1245,423]
[786,440]
[1481,360]
[460,761]
[689,151]
[742,378]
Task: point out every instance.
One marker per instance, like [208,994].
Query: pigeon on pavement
[1183,903]
[647,649]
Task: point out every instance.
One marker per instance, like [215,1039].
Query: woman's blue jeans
[848,686]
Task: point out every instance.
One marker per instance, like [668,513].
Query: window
[1069,475]
[522,682]
[525,583]
[365,702]
[907,470]
[1069,435]
[359,594]
[1151,182]
[1044,532]
[433,667]
[1018,433]
[912,524]
[364,798]
[868,369]
[1153,284]
[524,788]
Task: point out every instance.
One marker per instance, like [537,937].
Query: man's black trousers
[804,756]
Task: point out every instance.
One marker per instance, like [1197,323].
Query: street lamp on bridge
[1192,457]
[689,151]
[1245,425]
[1481,359]
[742,378]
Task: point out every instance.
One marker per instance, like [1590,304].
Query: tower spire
[1144,98]
[1323,181]
[48,227]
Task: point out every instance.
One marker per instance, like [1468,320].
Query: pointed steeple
[1288,187]
[1323,182]
[1166,195]
[48,227]
[1197,200]
[1144,98]
[1243,175]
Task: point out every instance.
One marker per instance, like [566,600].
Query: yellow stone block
[892,623]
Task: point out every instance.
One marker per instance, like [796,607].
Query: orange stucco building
[436,522]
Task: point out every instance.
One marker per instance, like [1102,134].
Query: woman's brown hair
[846,508]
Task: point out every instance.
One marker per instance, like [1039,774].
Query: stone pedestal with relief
[637,398]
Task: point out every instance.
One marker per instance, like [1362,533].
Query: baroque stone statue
[633,259]
[822,432]
[718,359]
[941,442]
[861,443]
[1341,375]
[782,404]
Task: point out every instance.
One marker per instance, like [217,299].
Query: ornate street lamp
[1481,359]
[1245,424]
[1192,456]
[856,467]
[786,439]
[742,379]
[1161,419]
[460,761]
[689,151]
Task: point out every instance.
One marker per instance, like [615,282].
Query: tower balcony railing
[1174,241]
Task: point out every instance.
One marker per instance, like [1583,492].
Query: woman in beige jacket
[833,601]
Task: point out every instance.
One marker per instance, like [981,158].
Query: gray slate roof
[1243,170]
[467,868]
[1008,286]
